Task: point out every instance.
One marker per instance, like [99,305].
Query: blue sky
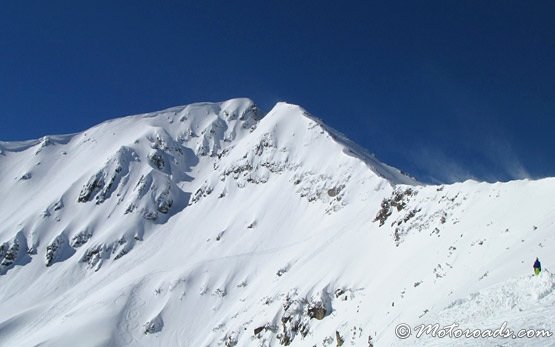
[444,90]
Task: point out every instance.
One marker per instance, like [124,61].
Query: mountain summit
[213,224]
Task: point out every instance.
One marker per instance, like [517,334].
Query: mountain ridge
[212,225]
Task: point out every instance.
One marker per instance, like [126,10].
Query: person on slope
[537,267]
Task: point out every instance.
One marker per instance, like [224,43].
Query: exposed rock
[220,235]
[297,315]
[203,191]
[265,327]
[102,184]
[339,339]
[105,193]
[164,201]
[230,339]
[94,184]
[333,192]
[317,310]
[26,176]
[284,339]
[398,200]
[80,239]
[3,248]
[10,254]
[52,250]
[339,292]
[157,160]
[219,292]
[58,250]
[153,326]
[126,247]
[94,256]
[282,271]
[14,253]
[44,142]
[58,205]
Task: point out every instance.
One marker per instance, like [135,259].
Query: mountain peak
[284,112]
[213,225]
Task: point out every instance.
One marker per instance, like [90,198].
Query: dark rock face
[10,255]
[94,185]
[339,339]
[80,239]
[203,191]
[94,255]
[3,249]
[58,250]
[13,253]
[398,200]
[333,192]
[230,340]
[102,184]
[51,251]
[157,160]
[58,205]
[26,176]
[297,315]
[317,311]
[284,339]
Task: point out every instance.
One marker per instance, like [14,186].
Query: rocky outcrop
[58,250]
[298,311]
[94,185]
[153,326]
[398,201]
[80,238]
[14,252]
[340,340]
[102,184]
[10,253]
[317,310]
[94,256]
[52,250]
[156,159]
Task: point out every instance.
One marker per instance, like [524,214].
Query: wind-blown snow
[213,225]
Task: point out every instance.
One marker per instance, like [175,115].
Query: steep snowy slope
[213,225]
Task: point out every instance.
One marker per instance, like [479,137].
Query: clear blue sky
[444,90]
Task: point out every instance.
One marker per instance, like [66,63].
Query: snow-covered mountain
[215,225]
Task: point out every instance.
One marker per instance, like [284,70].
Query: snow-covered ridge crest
[212,224]
[152,166]
[392,174]
[289,142]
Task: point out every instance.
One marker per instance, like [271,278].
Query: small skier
[537,267]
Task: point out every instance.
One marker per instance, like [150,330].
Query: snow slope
[215,225]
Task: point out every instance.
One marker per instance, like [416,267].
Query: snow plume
[438,166]
[501,153]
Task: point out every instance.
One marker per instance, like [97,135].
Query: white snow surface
[215,225]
